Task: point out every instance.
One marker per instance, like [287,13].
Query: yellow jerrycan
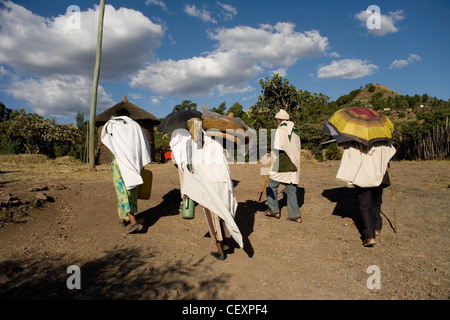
[145,189]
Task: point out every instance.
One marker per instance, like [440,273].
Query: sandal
[297,219]
[218,256]
[135,227]
[369,242]
[123,223]
[269,213]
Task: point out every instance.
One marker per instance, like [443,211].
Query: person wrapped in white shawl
[365,168]
[285,168]
[207,181]
[131,152]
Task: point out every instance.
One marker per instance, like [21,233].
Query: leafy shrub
[333,152]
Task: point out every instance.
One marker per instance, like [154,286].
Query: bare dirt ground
[321,258]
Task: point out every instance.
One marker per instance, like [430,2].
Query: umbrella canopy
[178,120]
[360,124]
[329,129]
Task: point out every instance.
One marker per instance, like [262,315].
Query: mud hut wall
[103,155]
[147,127]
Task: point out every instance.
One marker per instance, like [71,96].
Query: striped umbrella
[360,124]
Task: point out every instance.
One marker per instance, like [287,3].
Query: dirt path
[321,258]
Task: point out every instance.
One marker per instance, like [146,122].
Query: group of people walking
[205,176]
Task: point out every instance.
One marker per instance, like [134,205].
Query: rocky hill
[375,90]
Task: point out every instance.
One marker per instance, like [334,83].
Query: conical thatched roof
[136,113]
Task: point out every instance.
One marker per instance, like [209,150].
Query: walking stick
[265,182]
[393,200]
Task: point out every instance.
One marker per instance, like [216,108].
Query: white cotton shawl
[126,140]
[365,166]
[178,145]
[210,184]
[288,141]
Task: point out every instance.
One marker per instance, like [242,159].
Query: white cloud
[277,45]
[222,71]
[281,71]
[401,63]
[42,46]
[155,100]
[59,95]
[241,54]
[45,55]
[347,69]
[3,72]
[204,14]
[334,54]
[134,96]
[7,74]
[157,3]
[387,22]
[228,11]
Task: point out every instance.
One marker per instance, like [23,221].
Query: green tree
[4,112]
[307,110]
[220,109]
[276,94]
[333,152]
[81,124]
[236,109]
[31,133]
[80,149]
[185,105]
[404,104]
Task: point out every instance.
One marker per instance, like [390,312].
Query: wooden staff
[393,200]
[215,232]
[265,182]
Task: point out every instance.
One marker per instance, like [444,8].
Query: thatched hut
[145,119]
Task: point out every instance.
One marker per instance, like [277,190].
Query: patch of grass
[12,214]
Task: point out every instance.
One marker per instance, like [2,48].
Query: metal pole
[98,57]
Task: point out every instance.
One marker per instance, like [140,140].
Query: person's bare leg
[220,255]
[134,225]
[132,218]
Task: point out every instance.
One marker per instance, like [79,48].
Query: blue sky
[161,52]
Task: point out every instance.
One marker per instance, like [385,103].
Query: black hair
[122,112]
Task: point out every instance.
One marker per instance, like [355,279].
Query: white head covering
[282,115]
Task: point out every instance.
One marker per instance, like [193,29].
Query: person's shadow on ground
[245,220]
[170,206]
[245,216]
[347,204]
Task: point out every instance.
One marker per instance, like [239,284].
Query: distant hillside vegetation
[421,122]
[375,90]
[380,97]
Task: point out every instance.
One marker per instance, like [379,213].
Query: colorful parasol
[360,124]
